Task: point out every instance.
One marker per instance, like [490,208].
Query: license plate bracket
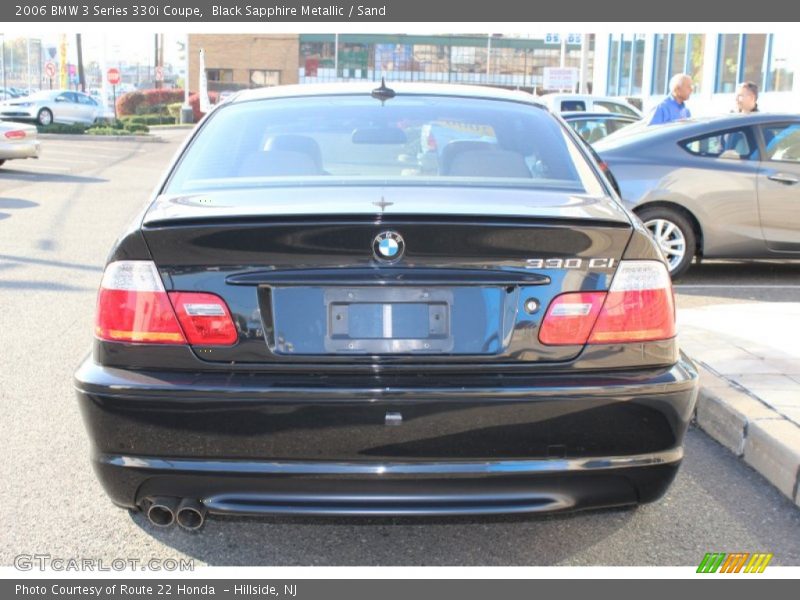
[388,320]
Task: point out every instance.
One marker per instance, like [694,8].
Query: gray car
[722,187]
[53,106]
[18,140]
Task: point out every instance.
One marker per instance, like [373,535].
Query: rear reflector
[638,307]
[15,134]
[133,306]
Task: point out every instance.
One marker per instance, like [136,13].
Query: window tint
[573,105]
[408,140]
[734,144]
[615,107]
[782,142]
[591,130]
[84,99]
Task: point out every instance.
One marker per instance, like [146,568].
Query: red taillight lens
[570,318]
[432,144]
[134,307]
[16,134]
[205,319]
[638,307]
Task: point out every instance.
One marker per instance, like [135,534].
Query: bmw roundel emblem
[388,246]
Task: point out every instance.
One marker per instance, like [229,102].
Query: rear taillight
[205,319]
[431,142]
[570,318]
[639,306]
[134,307]
[15,134]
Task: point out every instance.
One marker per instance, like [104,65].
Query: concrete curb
[765,439]
[175,127]
[83,137]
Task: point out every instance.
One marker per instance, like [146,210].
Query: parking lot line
[85,161]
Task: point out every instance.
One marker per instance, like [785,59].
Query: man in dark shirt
[673,107]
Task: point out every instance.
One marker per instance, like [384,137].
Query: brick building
[235,61]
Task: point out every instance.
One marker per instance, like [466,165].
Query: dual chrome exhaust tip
[163,511]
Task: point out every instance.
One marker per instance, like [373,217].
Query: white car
[53,106]
[560,103]
[18,140]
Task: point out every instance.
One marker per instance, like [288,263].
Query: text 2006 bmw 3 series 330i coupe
[413,299]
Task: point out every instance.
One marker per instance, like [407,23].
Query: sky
[133,48]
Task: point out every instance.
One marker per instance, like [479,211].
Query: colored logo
[388,246]
[737,562]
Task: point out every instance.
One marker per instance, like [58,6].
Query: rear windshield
[407,140]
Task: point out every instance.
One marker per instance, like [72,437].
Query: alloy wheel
[670,239]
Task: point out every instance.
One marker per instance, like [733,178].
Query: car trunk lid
[302,275]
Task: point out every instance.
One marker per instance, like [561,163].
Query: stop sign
[113,76]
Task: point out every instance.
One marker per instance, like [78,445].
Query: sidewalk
[749,359]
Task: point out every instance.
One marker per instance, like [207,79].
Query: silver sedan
[723,187]
[18,140]
[53,106]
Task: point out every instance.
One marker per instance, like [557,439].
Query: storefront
[641,65]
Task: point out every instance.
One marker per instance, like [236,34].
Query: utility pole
[336,56]
[4,62]
[584,61]
[488,56]
[81,74]
[155,66]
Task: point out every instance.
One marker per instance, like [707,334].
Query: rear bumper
[26,149]
[263,444]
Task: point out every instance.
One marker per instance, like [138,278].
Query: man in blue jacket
[673,107]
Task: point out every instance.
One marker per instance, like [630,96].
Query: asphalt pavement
[59,217]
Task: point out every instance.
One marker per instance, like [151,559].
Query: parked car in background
[561,103]
[719,187]
[302,321]
[593,127]
[434,137]
[18,140]
[53,106]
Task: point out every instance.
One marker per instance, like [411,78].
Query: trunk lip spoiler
[397,276]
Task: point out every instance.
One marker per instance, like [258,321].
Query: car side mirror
[60,99]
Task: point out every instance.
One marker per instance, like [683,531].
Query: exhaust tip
[161,511]
[191,514]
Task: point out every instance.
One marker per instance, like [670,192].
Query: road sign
[50,69]
[159,73]
[113,76]
[560,79]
